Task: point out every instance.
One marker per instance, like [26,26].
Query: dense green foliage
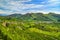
[34,26]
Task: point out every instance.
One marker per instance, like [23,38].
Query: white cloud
[17,6]
[24,6]
[54,2]
[25,0]
[5,12]
[2,11]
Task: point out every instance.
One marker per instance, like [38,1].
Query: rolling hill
[36,17]
[29,27]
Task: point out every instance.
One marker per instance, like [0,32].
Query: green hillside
[35,17]
[30,26]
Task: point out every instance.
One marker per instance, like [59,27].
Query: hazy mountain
[35,16]
[3,14]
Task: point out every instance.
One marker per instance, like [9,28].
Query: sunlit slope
[30,31]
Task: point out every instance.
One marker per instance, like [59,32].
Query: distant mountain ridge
[36,17]
[3,14]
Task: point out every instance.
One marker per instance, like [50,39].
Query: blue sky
[25,6]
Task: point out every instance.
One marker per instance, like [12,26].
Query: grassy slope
[25,31]
[30,30]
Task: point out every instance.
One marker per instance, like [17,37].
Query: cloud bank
[24,6]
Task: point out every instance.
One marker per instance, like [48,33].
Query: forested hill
[34,17]
[28,26]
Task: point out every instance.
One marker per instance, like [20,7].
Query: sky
[29,6]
